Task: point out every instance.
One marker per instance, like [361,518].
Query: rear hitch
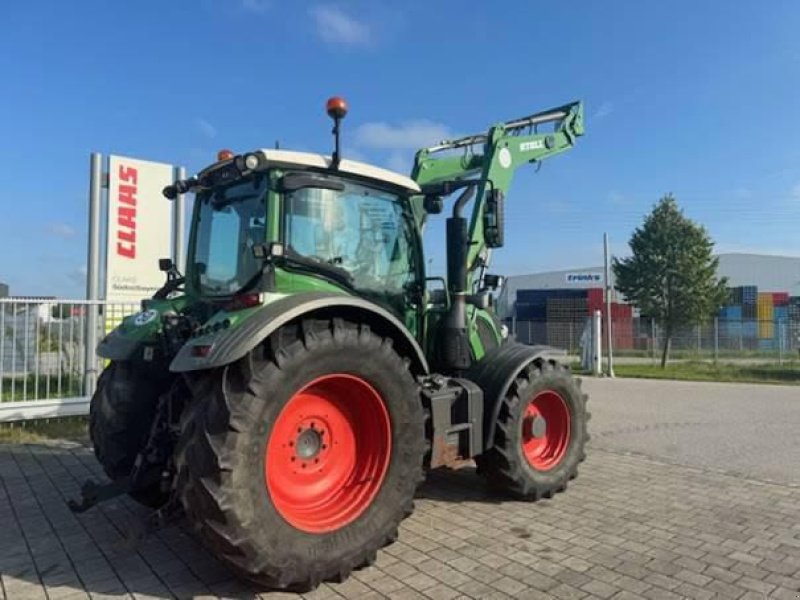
[93,492]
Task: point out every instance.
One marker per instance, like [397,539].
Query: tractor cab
[282,222]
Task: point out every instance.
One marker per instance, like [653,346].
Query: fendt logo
[126,212]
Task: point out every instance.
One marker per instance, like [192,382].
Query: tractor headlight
[251,162]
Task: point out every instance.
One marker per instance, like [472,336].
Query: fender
[117,346]
[230,345]
[495,373]
[132,336]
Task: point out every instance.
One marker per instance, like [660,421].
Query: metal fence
[643,337]
[43,351]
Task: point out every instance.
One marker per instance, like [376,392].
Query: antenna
[336,108]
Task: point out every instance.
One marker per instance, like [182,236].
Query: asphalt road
[742,429]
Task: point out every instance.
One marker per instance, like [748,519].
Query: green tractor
[291,391]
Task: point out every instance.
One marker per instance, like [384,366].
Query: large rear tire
[297,463]
[120,415]
[540,433]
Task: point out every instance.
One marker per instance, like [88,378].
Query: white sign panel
[584,278]
[139,227]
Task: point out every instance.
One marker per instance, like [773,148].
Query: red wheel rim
[328,453]
[545,430]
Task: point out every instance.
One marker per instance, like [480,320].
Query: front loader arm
[505,147]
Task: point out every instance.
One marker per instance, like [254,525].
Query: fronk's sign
[139,227]
[584,278]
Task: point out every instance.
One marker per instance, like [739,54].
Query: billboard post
[179,225]
[93,272]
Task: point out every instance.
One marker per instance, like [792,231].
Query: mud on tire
[511,464]
[223,471]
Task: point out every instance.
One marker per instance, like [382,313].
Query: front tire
[298,462]
[540,433]
[121,413]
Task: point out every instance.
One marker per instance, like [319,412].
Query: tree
[672,274]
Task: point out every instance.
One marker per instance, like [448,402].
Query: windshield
[361,230]
[229,222]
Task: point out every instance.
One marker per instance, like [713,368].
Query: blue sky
[695,98]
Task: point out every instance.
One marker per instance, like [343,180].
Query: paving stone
[608,537]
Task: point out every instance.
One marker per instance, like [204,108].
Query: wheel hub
[308,444]
[537,426]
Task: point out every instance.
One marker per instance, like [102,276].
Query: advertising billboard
[139,227]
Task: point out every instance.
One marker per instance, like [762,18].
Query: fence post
[597,343]
[741,335]
[716,339]
[653,339]
[699,337]
[571,336]
[780,342]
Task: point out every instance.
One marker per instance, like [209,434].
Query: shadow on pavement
[47,549]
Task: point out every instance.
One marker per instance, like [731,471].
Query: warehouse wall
[768,273]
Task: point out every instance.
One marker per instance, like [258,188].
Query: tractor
[289,393]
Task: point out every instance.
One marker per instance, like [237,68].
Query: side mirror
[165,264]
[433,205]
[493,282]
[494,219]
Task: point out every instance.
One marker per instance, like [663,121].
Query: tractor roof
[288,158]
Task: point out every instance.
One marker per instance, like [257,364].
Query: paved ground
[630,526]
[748,430]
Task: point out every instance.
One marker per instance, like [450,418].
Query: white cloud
[605,109]
[256,6]
[407,136]
[61,230]
[206,128]
[399,163]
[336,27]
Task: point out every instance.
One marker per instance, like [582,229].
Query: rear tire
[120,415]
[540,434]
[239,479]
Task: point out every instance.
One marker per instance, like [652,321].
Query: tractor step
[456,414]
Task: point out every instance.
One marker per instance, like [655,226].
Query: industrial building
[766,272]
[763,312]
[3,290]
